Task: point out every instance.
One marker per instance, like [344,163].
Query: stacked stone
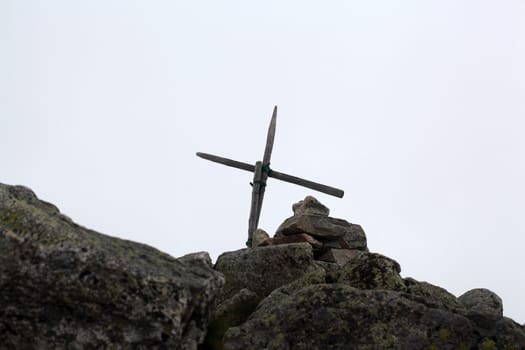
[333,240]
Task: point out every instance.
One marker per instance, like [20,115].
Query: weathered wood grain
[255,205]
[307,183]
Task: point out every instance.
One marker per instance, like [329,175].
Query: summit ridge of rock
[314,285]
[346,297]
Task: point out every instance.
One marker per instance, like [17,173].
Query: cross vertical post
[257,192]
[259,180]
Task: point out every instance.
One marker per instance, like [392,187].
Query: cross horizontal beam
[275,174]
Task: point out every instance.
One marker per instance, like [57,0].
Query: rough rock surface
[311,206]
[363,304]
[357,300]
[484,302]
[315,225]
[312,314]
[432,296]
[297,238]
[252,274]
[259,237]
[372,271]
[64,286]
[337,316]
[338,256]
[263,269]
[311,218]
[229,313]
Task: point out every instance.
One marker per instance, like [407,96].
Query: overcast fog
[416,109]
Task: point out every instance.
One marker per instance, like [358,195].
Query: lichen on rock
[65,286]
[337,316]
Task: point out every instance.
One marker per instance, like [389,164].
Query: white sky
[416,109]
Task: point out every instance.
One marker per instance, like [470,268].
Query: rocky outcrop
[337,316]
[353,299]
[317,312]
[64,286]
[252,274]
[261,270]
[314,285]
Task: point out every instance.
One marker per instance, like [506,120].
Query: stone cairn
[333,240]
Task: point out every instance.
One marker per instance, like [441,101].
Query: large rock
[372,271]
[315,225]
[264,269]
[259,237]
[64,286]
[252,274]
[309,314]
[337,316]
[483,302]
[229,313]
[337,256]
[365,304]
[432,296]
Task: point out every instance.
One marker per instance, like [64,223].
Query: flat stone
[326,229]
[355,238]
[315,225]
[297,238]
[310,206]
[339,256]
[202,258]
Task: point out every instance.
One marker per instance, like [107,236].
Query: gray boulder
[315,225]
[310,206]
[199,258]
[252,274]
[371,271]
[65,286]
[259,237]
[264,269]
[365,304]
[309,314]
[337,316]
[432,296]
[483,302]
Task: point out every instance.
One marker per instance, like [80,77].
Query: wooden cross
[261,171]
